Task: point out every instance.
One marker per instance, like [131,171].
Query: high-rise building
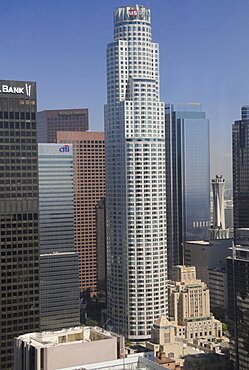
[187,177]
[135,177]
[19,258]
[241,170]
[89,188]
[218,229]
[51,121]
[238,300]
[190,304]
[218,187]
[209,257]
[238,264]
[101,250]
[59,263]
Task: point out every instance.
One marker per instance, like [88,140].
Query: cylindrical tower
[218,230]
[135,177]
[218,187]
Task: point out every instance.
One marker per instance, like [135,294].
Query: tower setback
[135,177]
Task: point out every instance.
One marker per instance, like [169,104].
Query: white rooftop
[65,336]
[198,242]
[130,363]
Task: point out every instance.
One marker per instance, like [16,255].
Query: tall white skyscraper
[135,177]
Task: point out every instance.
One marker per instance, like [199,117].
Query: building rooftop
[198,242]
[65,336]
[162,321]
[130,363]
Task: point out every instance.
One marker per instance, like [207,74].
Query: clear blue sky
[204,48]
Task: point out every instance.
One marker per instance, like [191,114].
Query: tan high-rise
[189,297]
[190,305]
[89,188]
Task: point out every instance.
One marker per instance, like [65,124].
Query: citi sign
[16,90]
[64,149]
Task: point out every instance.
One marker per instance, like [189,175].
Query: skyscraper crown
[132,13]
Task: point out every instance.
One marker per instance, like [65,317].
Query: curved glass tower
[135,177]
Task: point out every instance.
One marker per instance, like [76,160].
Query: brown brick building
[89,188]
[51,121]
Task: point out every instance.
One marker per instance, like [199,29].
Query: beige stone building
[163,339]
[189,305]
[168,345]
[166,362]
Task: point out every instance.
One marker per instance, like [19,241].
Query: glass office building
[187,177]
[238,266]
[240,132]
[135,177]
[19,249]
[59,264]
[238,300]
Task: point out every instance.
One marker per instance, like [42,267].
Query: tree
[91,322]
[224,327]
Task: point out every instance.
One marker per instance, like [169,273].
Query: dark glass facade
[19,250]
[187,177]
[51,121]
[238,267]
[241,172]
[238,306]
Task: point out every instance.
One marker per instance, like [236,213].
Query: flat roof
[198,242]
[134,362]
[65,336]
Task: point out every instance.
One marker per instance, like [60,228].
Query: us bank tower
[135,177]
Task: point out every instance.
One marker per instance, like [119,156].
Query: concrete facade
[65,348]
[135,177]
[190,305]
[166,340]
[101,250]
[89,189]
[163,339]
[130,363]
[207,361]
[51,121]
[209,257]
[218,230]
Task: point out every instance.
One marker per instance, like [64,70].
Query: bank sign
[64,149]
[57,150]
[25,89]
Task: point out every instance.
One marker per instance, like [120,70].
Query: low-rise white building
[130,363]
[66,348]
